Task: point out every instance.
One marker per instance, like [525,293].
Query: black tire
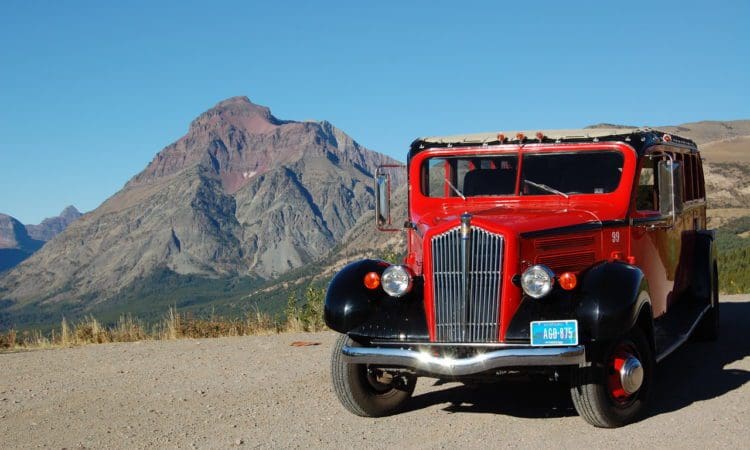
[591,387]
[360,392]
[708,328]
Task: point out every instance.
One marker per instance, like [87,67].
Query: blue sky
[90,91]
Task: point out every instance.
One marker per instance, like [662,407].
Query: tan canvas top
[481,138]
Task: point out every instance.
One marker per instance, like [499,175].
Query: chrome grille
[467,308]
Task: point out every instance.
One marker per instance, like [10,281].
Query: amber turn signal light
[372,280]
[568,281]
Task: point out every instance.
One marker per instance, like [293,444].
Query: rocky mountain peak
[52,226]
[9,231]
[13,234]
[238,140]
[238,112]
[15,243]
[70,213]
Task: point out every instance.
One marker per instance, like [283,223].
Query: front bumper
[447,366]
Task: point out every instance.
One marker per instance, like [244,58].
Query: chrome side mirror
[382,200]
[670,188]
[387,178]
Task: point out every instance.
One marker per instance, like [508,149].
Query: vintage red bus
[580,254]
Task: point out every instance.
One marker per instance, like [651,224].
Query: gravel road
[263,392]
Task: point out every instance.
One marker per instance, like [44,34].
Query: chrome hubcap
[631,375]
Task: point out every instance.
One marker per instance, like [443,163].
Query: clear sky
[90,91]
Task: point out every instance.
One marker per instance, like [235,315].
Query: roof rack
[638,138]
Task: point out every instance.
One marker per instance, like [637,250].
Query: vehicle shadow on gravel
[695,372]
[517,398]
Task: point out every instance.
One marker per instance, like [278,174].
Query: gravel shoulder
[263,392]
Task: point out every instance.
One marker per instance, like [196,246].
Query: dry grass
[127,329]
[174,325]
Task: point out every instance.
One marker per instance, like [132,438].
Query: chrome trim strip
[427,344]
[446,366]
[466,286]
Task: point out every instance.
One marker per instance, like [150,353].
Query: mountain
[15,242]
[18,242]
[242,196]
[53,226]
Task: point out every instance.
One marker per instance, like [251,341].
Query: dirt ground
[263,392]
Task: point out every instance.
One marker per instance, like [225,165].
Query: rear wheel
[368,391]
[614,391]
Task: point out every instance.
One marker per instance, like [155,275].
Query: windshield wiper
[455,189]
[546,188]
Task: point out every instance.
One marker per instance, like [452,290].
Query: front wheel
[614,391]
[367,391]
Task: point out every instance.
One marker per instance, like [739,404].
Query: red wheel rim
[621,353]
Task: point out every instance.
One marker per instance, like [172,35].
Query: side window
[679,158]
[701,180]
[688,176]
[647,196]
[697,181]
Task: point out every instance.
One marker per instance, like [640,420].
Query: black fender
[607,303]
[367,314]
[611,300]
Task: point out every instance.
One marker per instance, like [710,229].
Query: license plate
[554,332]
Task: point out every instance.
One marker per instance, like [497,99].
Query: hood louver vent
[569,262]
[558,243]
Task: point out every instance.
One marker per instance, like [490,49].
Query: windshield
[563,174]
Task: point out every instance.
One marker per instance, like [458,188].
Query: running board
[682,338]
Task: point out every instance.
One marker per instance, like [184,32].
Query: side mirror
[387,177]
[670,188]
[382,200]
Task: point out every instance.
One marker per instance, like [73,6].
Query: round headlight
[537,281]
[396,280]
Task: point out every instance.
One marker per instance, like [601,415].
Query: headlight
[396,281]
[537,281]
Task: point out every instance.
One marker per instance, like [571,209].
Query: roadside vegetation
[733,242]
[301,314]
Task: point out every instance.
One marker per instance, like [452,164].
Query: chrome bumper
[441,365]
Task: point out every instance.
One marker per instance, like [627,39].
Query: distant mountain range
[53,226]
[237,213]
[18,241]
